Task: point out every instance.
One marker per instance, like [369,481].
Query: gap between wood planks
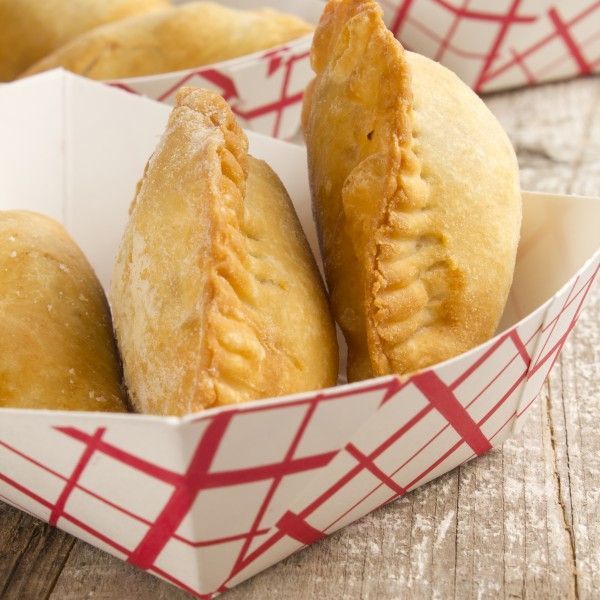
[559,495]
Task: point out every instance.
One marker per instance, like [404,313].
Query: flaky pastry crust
[216,296]
[181,37]
[415,188]
[32,29]
[57,349]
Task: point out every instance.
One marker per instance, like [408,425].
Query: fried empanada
[182,37]
[32,29]
[57,349]
[416,190]
[216,296]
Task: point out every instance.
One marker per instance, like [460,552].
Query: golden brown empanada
[57,348]
[31,29]
[182,37]
[416,190]
[215,294]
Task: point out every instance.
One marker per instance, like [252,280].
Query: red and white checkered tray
[490,45]
[264,89]
[208,500]
[504,43]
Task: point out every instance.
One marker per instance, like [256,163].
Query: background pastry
[57,348]
[215,294]
[191,35]
[416,190]
[31,29]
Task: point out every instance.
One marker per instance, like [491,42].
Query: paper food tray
[208,500]
[264,89]
[501,44]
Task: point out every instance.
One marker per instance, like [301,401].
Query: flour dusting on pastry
[216,296]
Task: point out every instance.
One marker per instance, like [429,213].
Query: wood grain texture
[521,522]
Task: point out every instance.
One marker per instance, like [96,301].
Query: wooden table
[521,522]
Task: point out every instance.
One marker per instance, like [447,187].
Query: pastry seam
[228,247]
[234,344]
[408,294]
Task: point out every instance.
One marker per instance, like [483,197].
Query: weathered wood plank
[34,556]
[522,522]
[16,530]
[90,573]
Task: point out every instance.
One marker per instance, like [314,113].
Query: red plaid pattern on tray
[501,44]
[208,501]
[491,46]
[265,91]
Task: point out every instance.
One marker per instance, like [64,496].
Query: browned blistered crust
[216,296]
[415,189]
[57,349]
